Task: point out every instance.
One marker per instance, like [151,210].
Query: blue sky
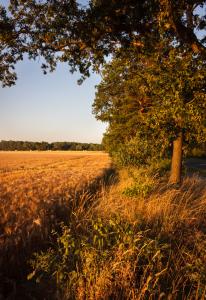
[49,107]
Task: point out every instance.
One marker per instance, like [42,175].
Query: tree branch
[188,37]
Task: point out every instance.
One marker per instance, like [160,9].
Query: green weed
[113,256]
[140,186]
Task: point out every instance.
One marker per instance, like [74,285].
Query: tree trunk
[175,175]
[205,148]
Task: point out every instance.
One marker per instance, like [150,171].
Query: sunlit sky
[49,107]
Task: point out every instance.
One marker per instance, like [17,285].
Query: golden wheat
[31,181]
[38,190]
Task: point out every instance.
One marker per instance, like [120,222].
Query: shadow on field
[23,238]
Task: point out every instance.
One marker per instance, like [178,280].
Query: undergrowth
[140,186]
[140,239]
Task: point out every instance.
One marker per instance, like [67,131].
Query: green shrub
[131,154]
[138,152]
[116,261]
[98,264]
[160,167]
[140,186]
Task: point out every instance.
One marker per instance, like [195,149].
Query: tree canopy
[63,30]
[158,96]
[149,93]
[118,101]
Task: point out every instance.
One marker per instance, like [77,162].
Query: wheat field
[31,181]
[38,190]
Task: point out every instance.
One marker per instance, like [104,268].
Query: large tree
[160,95]
[120,99]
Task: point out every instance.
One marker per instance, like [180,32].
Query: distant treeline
[43,146]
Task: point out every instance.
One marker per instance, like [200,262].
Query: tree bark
[205,148]
[175,175]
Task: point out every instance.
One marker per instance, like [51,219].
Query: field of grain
[31,180]
[38,190]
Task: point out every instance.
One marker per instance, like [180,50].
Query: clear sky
[49,107]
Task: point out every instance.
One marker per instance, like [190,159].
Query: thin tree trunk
[205,148]
[175,175]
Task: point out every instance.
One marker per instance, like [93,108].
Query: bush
[107,265]
[119,262]
[138,152]
[140,186]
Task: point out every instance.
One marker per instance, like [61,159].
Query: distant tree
[101,147]
[79,147]
[85,146]
[73,147]
[97,147]
[37,146]
[25,146]
[91,147]
[19,145]
[30,145]
[4,145]
[63,146]
[11,145]
[44,146]
[56,146]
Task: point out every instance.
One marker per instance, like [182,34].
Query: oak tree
[160,97]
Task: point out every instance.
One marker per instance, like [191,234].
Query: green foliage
[83,259]
[130,154]
[140,187]
[160,167]
[79,148]
[143,96]
[138,152]
[59,263]
[65,31]
[155,96]
[116,259]
[198,151]
[117,101]
[43,146]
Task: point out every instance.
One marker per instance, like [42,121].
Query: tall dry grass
[142,247]
[185,204]
[173,217]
